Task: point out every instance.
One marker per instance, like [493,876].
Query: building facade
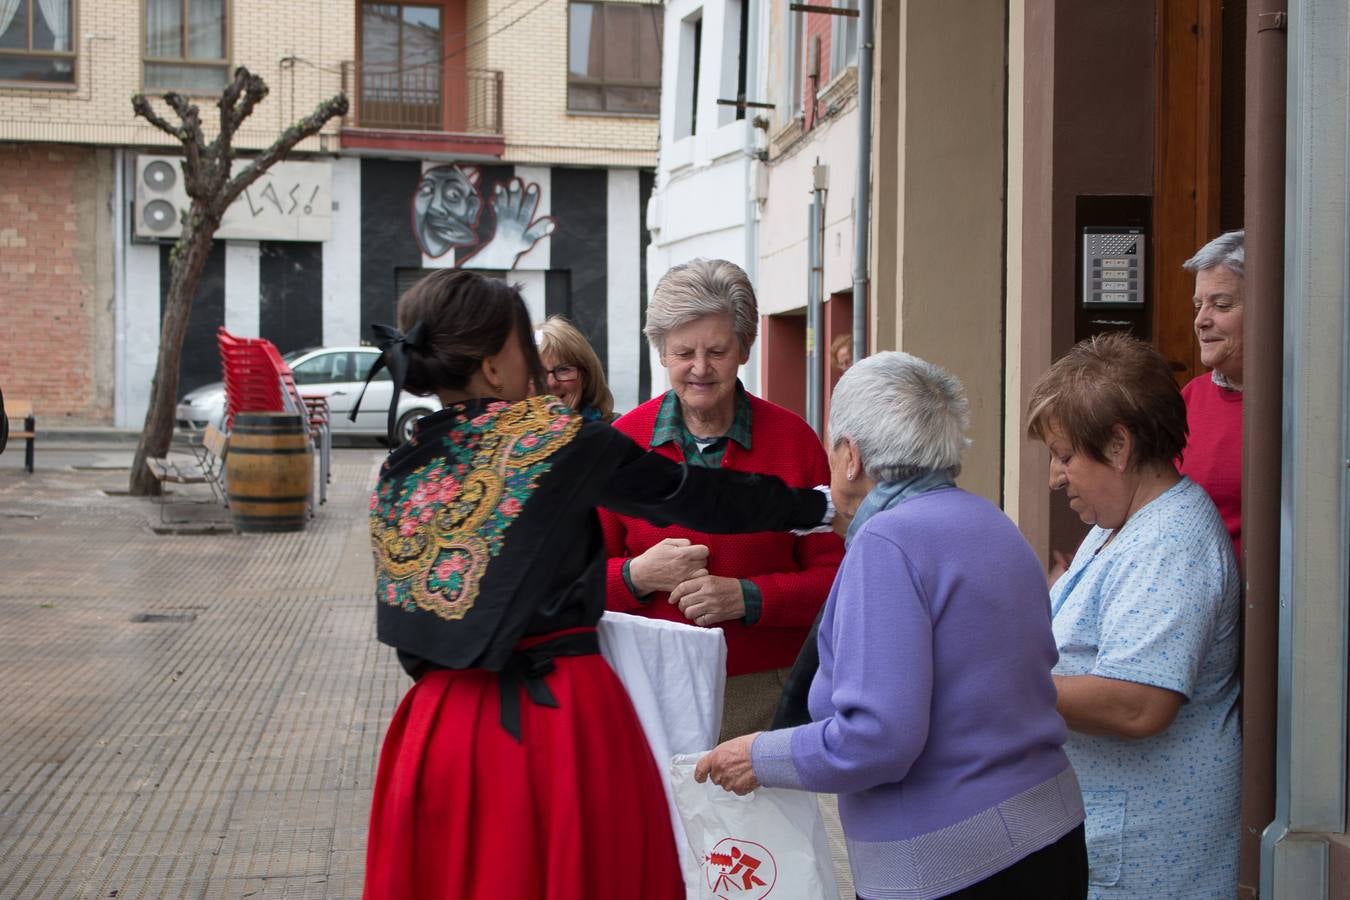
[518,140]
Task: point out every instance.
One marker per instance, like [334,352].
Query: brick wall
[297,46]
[55,313]
[532,54]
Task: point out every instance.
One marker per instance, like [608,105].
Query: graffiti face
[446,209]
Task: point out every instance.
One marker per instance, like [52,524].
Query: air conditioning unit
[291,201]
[160,198]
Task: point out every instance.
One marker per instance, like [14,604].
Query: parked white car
[333,372]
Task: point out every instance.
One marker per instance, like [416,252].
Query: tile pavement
[186,715]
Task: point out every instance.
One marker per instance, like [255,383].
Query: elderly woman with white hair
[763,590]
[933,711]
[1213,456]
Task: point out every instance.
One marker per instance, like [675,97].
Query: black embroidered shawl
[484,528]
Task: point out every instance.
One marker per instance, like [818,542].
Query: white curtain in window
[164,28]
[57,14]
[206,29]
[8,8]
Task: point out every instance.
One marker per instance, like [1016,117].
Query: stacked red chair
[257,379]
[251,380]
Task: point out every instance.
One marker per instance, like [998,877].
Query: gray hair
[1225,250]
[698,288]
[905,414]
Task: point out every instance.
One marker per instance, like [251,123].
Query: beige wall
[108,34]
[938,260]
[532,54]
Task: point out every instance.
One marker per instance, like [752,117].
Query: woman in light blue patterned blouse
[1146,621]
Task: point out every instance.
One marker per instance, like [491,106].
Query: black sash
[527,668]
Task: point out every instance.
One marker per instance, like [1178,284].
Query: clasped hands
[679,566]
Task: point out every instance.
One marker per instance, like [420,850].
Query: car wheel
[404,429]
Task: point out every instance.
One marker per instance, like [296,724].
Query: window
[794,57]
[401,62]
[614,58]
[327,368]
[687,78]
[185,45]
[843,40]
[735,37]
[35,41]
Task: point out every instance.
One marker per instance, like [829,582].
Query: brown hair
[560,339]
[840,341]
[466,317]
[1108,380]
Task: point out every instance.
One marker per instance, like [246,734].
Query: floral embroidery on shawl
[435,530]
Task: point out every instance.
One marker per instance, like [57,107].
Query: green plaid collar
[670,423]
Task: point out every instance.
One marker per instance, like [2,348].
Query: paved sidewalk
[186,715]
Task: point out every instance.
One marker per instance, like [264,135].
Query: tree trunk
[213,186]
[194,247]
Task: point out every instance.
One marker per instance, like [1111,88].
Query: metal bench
[207,467]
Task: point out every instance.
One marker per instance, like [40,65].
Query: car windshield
[296,354]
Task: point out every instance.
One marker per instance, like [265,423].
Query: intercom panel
[1113,268]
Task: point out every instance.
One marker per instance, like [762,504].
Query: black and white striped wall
[591,268]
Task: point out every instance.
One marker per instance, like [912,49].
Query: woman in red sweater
[1213,457]
[763,590]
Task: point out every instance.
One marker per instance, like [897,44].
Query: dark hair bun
[466,317]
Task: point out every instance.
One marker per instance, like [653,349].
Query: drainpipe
[121,418]
[862,192]
[1262,402]
[751,151]
[1313,695]
[815,396]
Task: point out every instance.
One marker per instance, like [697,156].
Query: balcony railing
[432,98]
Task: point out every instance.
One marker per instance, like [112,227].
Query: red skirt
[575,810]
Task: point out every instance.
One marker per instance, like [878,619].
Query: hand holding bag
[768,845]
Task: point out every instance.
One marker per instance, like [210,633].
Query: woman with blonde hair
[573,371]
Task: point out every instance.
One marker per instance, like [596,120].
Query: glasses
[562,373]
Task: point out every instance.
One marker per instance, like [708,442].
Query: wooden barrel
[269,471]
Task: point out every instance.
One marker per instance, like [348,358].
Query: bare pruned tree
[212,187]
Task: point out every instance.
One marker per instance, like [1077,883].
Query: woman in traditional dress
[490,578]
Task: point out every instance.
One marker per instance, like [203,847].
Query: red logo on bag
[740,870]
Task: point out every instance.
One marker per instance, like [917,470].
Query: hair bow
[394,346]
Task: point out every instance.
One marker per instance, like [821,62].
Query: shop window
[36,46]
[185,46]
[614,58]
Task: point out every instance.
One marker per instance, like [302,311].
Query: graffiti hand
[517,230]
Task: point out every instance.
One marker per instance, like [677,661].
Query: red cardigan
[1213,457]
[793,574]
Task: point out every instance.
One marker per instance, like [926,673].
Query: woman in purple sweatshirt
[933,712]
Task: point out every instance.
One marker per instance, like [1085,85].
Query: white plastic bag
[770,843]
[675,675]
